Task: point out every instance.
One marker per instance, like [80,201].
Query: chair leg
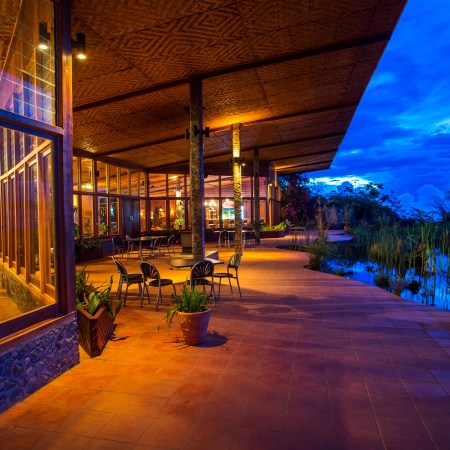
[229,282]
[158,298]
[239,287]
[119,289]
[125,298]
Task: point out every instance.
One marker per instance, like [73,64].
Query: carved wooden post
[196,169]
[256,196]
[237,169]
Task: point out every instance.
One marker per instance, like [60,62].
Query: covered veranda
[302,360]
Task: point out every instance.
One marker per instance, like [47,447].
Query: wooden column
[256,196]
[197,211]
[237,187]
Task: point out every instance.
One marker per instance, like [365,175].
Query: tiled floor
[302,361]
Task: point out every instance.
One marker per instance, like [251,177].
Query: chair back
[202,269]
[121,268]
[149,271]
[117,241]
[171,240]
[234,261]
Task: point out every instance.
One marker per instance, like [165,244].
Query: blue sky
[400,133]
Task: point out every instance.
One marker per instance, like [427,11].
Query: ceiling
[291,72]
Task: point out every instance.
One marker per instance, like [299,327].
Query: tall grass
[419,250]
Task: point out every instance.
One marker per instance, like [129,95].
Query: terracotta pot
[94,331]
[194,326]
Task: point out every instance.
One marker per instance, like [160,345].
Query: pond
[429,285]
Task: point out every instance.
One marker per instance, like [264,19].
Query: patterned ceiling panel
[131,96]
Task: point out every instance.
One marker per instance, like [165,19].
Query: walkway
[303,360]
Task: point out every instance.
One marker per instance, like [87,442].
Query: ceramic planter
[194,326]
[94,331]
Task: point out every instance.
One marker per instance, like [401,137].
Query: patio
[302,360]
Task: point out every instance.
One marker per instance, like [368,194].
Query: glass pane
[87,210]
[101,177]
[21,220]
[124,181]
[48,215]
[176,186]
[227,187]
[158,214]
[103,216]
[27,46]
[143,215]
[142,183]
[212,186]
[134,183]
[75,173]
[114,215]
[5,227]
[76,217]
[113,179]
[87,179]
[212,213]
[34,218]
[157,185]
[246,186]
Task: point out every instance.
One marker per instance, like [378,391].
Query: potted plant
[348,212]
[274,231]
[193,313]
[96,313]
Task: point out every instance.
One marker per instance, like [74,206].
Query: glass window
[21,221]
[157,185]
[142,183]
[87,211]
[227,187]
[76,217]
[76,171]
[176,186]
[101,177]
[176,210]
[103,228]
[143,214]
[158,213]
[212,186]
[34,218]
[134,183]
[113,170]
[114,215]
[87,179]
[47,233]
[27,84]
[124,181]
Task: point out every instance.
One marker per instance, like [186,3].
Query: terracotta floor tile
[310,362]
[124,428]
[354,426]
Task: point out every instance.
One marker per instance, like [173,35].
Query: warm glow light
[81,56]
[43,46]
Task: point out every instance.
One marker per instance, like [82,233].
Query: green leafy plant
[93,298]
[280,227]
[189,301]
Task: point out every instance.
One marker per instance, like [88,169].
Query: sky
[400,133]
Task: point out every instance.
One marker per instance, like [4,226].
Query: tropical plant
[189,301]
[93,298]
[279,227]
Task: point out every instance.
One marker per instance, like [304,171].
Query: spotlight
[79,45]
[44,36]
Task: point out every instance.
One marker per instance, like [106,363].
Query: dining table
[143,239]
[179,263]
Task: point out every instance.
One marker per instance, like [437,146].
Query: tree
[296,204]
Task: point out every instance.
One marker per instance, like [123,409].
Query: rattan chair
[152,278]
[233,264]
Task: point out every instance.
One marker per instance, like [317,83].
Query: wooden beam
[302,54]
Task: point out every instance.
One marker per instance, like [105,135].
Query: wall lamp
[44,36]
[237,161]
[197,131]
[79,45]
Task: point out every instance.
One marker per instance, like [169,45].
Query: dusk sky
[400,133]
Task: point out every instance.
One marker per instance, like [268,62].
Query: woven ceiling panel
[145,50]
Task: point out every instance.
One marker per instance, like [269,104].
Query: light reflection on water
[434,286]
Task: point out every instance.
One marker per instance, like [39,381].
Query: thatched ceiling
[291,72]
